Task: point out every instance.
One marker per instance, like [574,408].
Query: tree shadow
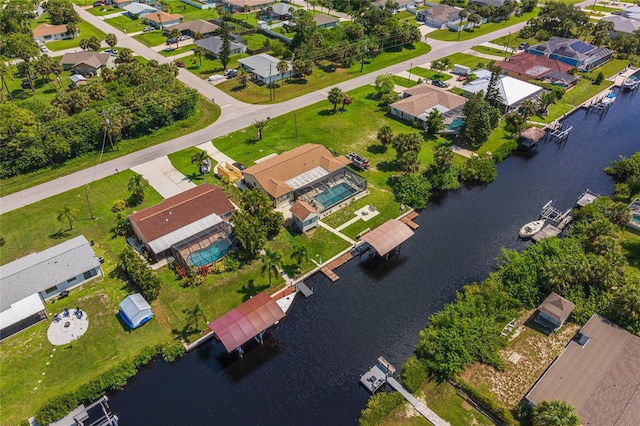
[376,148]
[388,166]
[62,233]
[291,270]
[195,177]
[250,289]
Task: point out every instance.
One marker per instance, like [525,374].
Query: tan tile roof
[533,133]
[163,17]
[525,63]
[250,3]
[321,19]
[181,210]
[556,306]
[48,29]
[424,96]
[94,59]
[302,210]
[272,173]
[197,26]
[600,379]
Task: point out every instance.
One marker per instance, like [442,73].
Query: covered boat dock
[249,320]
[388,237]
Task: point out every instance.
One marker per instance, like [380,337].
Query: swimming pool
[335,194]
[636,219]
[209,254]
[455,125]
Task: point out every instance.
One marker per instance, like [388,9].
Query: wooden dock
[408,220]
[328,269]
[547,231]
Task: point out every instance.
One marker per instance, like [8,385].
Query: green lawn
[86,31]
[430,74]
[249,18]
[255,41]
[45,91]
[191,13]
[210,66]
[470,61]
[174,52]
[402,81]
[152,38]
[450,35]
[492,51]
[104,10]
[602,8]
[206,113]
[127,24]
[323,76]
[513,41]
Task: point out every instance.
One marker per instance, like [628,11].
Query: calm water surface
[307,372]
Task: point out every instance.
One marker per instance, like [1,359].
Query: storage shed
[135,310]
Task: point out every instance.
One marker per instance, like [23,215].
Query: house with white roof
[138,10]
[265,68]
[512,91]
[27,282]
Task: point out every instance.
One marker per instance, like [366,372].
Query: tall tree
[407,142]
[462,14]
[385,135]
[335,97]
[480,119]
[435,122]
[555,413]
[384,85]
[493,92]
[299,254]
[137,185]
[6,74]
[271,262]
[225,51]
[194,316]
[199,52]
[125,55]
[259,125]
[282,67]
[174,34]
[198,158]
[243,76]
[303,67]
[68,214]
[111,40]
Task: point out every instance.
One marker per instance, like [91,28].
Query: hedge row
[379,407]
[489,404]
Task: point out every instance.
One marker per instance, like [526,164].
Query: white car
[215,77]
[44,49]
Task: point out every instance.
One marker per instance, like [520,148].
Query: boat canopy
[238,326]
[388,236]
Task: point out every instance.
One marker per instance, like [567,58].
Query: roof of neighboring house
[560,77]
[443,12]
[214,44]
[388,236]
[534,134]
[511,89]
[322,19]
[534,66]
[137,8]
[250,3]
[600,378]
[631,10]
[281,8]
[42,270]
[263,64]
[401,3]
[623,24]
[43,30]
[569,48]
[177,212]
[302,210]
[122,1]
[197,26]
[424,97]
[495,3]
[93,59]
[273,173]
[556,306]
[76,78]
[163,17]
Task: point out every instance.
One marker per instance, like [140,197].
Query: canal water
[307,372]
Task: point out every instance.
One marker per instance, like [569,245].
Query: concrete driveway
[163,177]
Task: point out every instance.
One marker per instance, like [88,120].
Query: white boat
[609,99]
[531,228]
[286,302]
[631,83]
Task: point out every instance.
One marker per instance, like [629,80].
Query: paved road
[236,115]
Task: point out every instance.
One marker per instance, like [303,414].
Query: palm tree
[462,14]
[72,29]
[335,97]
[199,52]
[271,262]
[199,158]
[282,67]
[84,44]
[555,413]
[299,254]
[68,213]
[260,125]
[385,135]
[111,40]
[194,316]
[137,185]
[346,100]
[243,76]
[175,34]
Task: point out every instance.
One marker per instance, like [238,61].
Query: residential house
[575,52]
[418,101]
[27,282]
[265,68]
[304,216]
[198,27]
[512,91]
[162,19]
[239,5]
[214,45]
[325,21]
[281,12]
[440,15]
[622,25]
[305,173]
[402,4]
[554,310]
[494,3]
[123,3]
[138,10]
[631,11]
[527,66]
[561,79]
[185,223]
[597,373]
[48,32]
[87,63]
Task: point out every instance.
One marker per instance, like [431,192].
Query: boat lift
[553,215]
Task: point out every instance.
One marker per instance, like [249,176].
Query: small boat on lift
[530,229]
[609,99]
[631,83]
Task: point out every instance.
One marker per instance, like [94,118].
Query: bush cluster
[489,404]
[378,407]
[414,373]
[140,273]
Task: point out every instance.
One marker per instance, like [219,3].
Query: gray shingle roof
[214,44]
[42,270]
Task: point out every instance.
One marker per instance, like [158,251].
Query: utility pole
[410,69]
[107,125]
[86,194]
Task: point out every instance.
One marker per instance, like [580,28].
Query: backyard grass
[210,66]
[430,74]
[492,51]
[323,76]
[191,13]
[86,30]
[403,81]
[602,8]
[450,35]
[255,41]
[513,41]
[174,52]
[104,10]
[153,38]
[45,91]
[248,18]
[206,113]
[470,61]
[127,24]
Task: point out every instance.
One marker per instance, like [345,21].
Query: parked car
[524,46]
[616,12]
[44,49]
[147,29]
[439,83]
[183,37]
[171,41]
[113,52]
[232,73]
[98,3]
[239,166]
[180,64]
[215,77]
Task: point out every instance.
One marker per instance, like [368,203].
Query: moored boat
[286,302]
[631,82]
[531,228]
[609,99]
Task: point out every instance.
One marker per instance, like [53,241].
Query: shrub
[505,149]
[413,190]
[118,205]
[378,407]
[488,403]
[218,268]
[140,273]
[173,350]
[203,270]
[414,373]
[231,263]
[121,226]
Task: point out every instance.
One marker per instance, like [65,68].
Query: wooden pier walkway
[408,220]
[328,269]
[419,406]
